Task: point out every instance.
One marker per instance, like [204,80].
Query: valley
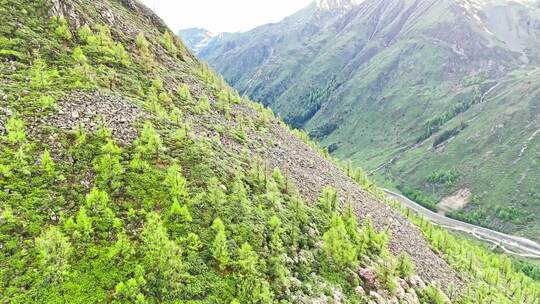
[516,246]
[431,97]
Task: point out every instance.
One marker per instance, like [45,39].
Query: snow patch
[333,4]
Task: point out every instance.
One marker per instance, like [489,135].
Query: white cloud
[223,15]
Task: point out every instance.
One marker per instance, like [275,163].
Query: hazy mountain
[440,96]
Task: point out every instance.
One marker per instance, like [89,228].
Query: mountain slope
[432,95]
[131,173]
[128,175]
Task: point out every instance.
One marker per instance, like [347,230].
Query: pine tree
[104,35]
[177,219]
[78,56]
[328,199]
[146,56]
[82,227]
[176,116]
[220,250]
[278,268]
[47,164]
[149,142]
[129,292]
[16,131]
[164,270]
[62,30]
[47,102]
[167,41]
[433,295]
[108,167]
[216,196]
[203,106]
[376,243]
[251,287]
[84,223]
[404,266]
[121,56]
[351,225]
[278,178]
[54,252]
[97,203]
[184,94]
[247,261]
[337,246]
[386,274]
[41,78]
[176,183]
[223,104]
[85,33]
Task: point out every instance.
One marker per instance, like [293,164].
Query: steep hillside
[440,98]
[131,173]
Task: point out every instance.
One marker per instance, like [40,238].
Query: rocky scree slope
[130,172]
[434,96]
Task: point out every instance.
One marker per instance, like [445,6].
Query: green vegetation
[492,278]
[443,177]
[89,215]
[400,102]
[170,216]
[418,196]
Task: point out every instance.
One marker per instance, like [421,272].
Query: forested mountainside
[131,173]
[439,97]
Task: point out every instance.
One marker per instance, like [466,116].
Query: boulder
[377,297]
[360,291]
[369,277]
[416,282]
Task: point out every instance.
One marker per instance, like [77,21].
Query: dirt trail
[519,246]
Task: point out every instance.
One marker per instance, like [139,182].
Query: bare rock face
[60,8]
[377,298]
[108,16]
[369,276]
[91,110]
[360,291]
[129,4]
[417,282]
[410,298]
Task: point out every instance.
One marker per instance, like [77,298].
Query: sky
[219,16]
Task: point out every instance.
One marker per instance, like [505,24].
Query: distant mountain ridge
[196,38]
[414,90]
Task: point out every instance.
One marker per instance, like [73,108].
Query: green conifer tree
[145,55]
[176,183]
[16,131]
[54,251]
[404,266]
[97,203]
[164,269]
[149,142]
[220,250]
[47,164]
[337,246]
[328,199]
[167,41]
[85,33]
[108,167]
[185,94]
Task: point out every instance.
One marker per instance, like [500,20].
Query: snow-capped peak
[333,4]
